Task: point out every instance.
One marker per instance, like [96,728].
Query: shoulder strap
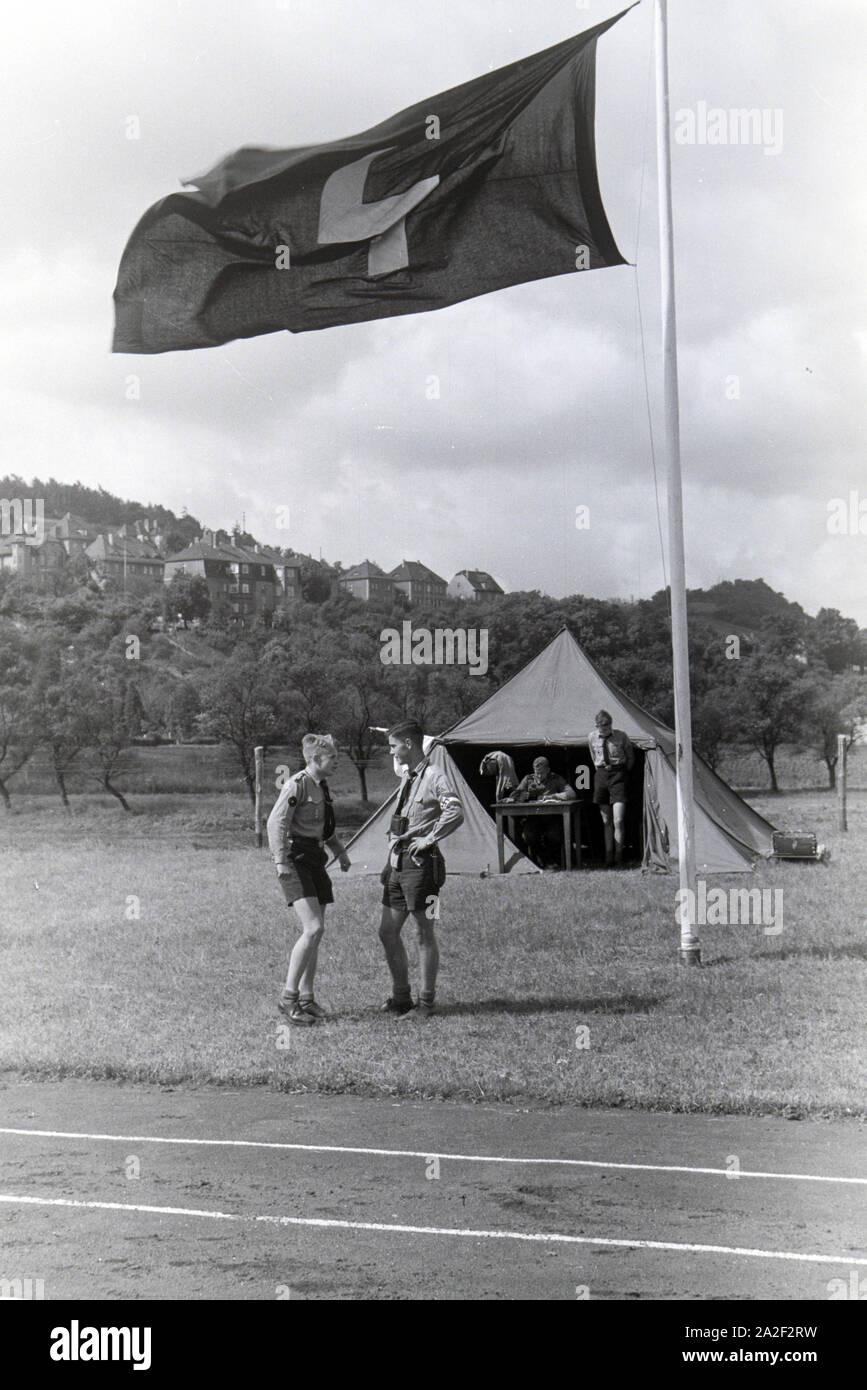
[410,783]
[330,818]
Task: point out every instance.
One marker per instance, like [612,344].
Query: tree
[107,726]
[303,663]
[769,699]
[711,729]
[838,706]
[835,641]
[183,708]
[188,596]
[365,702]
[175,542]
[243,706]
[315,581]
[782,634]
[133,710]
[19,731]
[409,688]
[60,701]
[451,694]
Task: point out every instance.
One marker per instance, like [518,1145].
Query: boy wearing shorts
[301,822]
[613,757]
[427,810]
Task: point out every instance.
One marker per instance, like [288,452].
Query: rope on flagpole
[640,314]
[650,432]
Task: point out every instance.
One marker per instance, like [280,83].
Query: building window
[245,588]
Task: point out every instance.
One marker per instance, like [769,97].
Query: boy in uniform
[613,757]
[301,822]
[427,811]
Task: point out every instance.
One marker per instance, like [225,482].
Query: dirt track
[111,1254]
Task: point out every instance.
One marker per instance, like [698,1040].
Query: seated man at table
[542,835]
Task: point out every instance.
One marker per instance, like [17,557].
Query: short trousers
[409,887]
[609,786]
[306,877]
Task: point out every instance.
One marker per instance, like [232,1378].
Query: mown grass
[185,992]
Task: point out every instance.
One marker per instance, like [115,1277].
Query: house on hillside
[35,562]
[368,582]
[420,585]
[125,560]
[287,574]
[241,582]
[145,528]
[474,584]
[74,533]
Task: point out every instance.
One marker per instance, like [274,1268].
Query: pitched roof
[414,570]
[481,580]
[130,547]
[368,569]
[198,551]
[246,555]
[267,556]
[71,525]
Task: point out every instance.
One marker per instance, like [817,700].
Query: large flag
[489,184]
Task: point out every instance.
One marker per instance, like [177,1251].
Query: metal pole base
[690,955]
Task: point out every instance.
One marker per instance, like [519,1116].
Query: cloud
[469,436]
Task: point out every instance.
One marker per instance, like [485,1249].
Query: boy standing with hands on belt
[301,822]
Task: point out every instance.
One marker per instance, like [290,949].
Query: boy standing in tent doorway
[427,810]
[613,758]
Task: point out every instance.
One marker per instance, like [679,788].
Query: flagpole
[689,953]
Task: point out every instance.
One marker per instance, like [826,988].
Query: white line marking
[537,1236]
[428,1153]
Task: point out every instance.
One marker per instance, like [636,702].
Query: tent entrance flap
[472,849]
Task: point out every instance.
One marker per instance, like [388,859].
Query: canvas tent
[472,849]
[549,707]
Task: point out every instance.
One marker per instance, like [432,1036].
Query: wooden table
[510,811]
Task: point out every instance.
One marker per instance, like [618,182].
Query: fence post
[842,747]
[259,756]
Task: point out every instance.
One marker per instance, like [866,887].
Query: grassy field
[153,947]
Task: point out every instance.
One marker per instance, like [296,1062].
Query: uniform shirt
[298,810]
[501,766]
[620,750]
[533,788]
[431,807]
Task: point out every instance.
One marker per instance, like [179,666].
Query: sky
[335,442]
